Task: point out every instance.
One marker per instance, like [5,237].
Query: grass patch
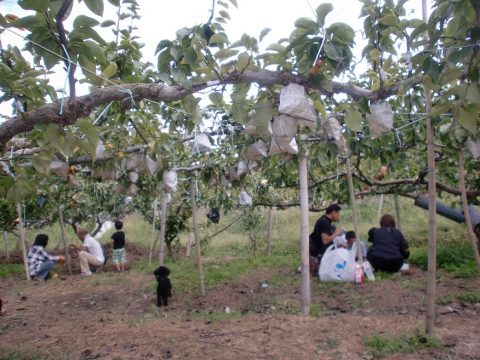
[216,315]
[470,297]
[316,310]
[184,274]
[17,354]
[446,299]
[7,270]
[379,345]
[455,258]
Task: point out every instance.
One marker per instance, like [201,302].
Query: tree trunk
[432,208]
[466,212]
[397,212]
[163,217]
[270,228]
[193,206]
[5,240]
[380,206]
[191,238]
[64,242]
[21,231]
[304,231]
[353,203]
[152,239]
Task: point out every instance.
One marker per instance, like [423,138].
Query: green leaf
[322,11]
[191,56]
[107,23]
[216,98]
[439,109]
[353,120]
[389,20]
[41,162]
[307,24]
[264,33]
[114,2]
[234,2]
[51,133]
[163,44]
[27,22]
[110,71]
[276,47]
[468,118]
[36,5]
[83,20]
[225,53]
[218,38]
[473,94]
[95,6]
[341,32]
[330,51]
[262,115]
[243,61]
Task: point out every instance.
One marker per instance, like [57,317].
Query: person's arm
[46,256]
[370,234]
[326,239]
[404,246]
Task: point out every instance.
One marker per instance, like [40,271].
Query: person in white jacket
[90,253]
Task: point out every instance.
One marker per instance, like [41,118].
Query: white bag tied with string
[474,147]
[284,130]
[291,148]
[242,168]
[201,143]
[334,131]
[244,199]
[152,165]
[135,162]
[255,130]
[59,168]
[232,174]
[381,118]
[169,181]
[133,176]
[100,150]
[255,151]
[295,102]
[253,166]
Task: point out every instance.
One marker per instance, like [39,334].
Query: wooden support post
[270,229]
[432,208]
[466,212]
[5,241]
[304,231]
[397,212]
[354,209]
[163,217]
[21,231]
[64,242]
[152,238]
[198,251]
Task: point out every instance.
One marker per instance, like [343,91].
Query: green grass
[216,315]
[455,257]
[470,297]
[8,270]
[17,354]
[380,345]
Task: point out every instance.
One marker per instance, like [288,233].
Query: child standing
[118,238]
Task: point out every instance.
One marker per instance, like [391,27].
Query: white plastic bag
[242,168]
[284,130]
[59,168]
[291,148]
[152,165]
[381,118]
[169,181]
[255,151]
[336,265]
[474,147]
[244,199]
[201,143]
[334,130]
[295,102]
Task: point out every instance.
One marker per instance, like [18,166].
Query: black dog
[164,286]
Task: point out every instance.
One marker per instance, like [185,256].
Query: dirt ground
[113,316]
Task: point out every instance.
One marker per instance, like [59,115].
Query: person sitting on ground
[118,252]
[39,262]
[323,234]
[351,244]
[389,248]
[90,253]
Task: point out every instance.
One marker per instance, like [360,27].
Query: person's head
[41,240]
[81,233]
[350,236]
[387,220]
[333,212]
[118,225]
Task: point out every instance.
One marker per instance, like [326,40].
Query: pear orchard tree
[226,108]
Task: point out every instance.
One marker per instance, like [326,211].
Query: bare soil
[113,316]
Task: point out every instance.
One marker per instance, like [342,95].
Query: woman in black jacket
[389,248]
